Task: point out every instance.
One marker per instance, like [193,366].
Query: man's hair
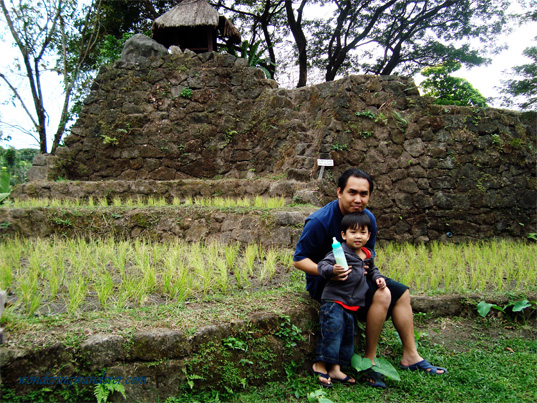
[344,178]
[355,221]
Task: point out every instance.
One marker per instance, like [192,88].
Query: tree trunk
[300,39]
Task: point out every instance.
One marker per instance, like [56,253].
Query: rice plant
[29,293]
[268,268]
[250,254]
[127,274]
[77,289]
[231,251]
[104,287]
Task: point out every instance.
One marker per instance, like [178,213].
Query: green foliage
[339,147]
[366,114]
[521,89]
[229,135]
[5,186]
[235,344]
[50,36]
[252,53]
[382,366]
[289,333]
[524,86]
[111,47]
[17,163]
[318,396]
[186,93]
[103,390]
[449,90]
[483,308]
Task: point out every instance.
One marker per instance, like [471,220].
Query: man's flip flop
[371,375]
[424,365]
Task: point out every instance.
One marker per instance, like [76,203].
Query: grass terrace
[61,290]
[70,276]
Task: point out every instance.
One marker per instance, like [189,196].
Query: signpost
[324,163]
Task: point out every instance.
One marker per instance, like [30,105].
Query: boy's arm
[325,268]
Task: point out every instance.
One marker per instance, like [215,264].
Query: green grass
[108,274]
[119,286]
[220,202]
[489,370]
[495,267]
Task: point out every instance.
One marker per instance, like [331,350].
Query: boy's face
[356,238]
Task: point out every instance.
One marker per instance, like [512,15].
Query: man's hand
[340,273]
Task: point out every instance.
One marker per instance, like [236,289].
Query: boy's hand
[340,273]
[381,283]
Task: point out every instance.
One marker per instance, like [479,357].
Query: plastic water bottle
[339,255]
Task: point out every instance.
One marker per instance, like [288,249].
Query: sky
[486,79]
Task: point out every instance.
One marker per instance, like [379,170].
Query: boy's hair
[355,221]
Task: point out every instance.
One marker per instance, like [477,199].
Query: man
[353,192]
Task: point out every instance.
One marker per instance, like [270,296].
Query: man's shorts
[397,289]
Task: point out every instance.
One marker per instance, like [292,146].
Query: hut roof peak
[189,13]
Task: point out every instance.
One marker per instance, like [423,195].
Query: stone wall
[440,170]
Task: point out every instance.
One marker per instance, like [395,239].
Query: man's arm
[308,266]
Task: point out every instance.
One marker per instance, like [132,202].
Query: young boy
[341,297]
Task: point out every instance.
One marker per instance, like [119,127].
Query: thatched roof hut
[194,25]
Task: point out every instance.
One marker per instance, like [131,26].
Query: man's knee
[382,297]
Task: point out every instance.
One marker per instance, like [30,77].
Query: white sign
[325,163]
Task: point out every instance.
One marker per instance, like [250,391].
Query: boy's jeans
[336,341]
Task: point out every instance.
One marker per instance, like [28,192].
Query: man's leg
[376,316]
[403,321]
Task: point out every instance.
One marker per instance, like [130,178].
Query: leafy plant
[103,390]
[401,122]
[318,396]
[381,118]
[483,308]
[109,140]
[111,48]
[5,185]
[251,52]
[340,147]
[235,344]
[288,332]
[382,366]
[449,90]
[186,93]
[229,136]
[366,114]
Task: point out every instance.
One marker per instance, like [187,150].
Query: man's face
[355,196]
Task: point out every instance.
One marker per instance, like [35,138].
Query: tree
[405,35]
[449,90]
[295,24]
[262,20]
[51,35]
[523,86]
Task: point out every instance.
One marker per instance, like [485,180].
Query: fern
[103,390]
